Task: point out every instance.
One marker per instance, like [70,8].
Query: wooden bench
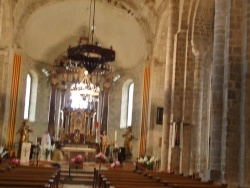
[123,178]
[176,181]
[27,184]
[133,179]
[30,176]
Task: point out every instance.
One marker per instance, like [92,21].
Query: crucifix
[177,132]
[25,151]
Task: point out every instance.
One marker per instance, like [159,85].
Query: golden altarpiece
[79,103]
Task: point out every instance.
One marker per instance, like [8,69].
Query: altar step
[77,177]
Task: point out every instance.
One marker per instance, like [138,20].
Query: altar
[74,150]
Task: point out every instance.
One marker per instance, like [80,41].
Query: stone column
[62,105]
[1,16]
[197,112]
[52,110]
[232,117]
[217,90]
[178,93]
[105,103]
[245,109]
[3,84]
[172,29]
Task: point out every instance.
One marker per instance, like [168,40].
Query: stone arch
[203,25]
[161,33]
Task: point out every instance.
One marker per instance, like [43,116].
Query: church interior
[163,79]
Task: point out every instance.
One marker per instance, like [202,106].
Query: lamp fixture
[88,54]
[85,87]
[83,69]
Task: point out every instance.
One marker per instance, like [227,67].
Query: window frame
[127,104]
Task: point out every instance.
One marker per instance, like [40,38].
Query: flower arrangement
[9,158]
[15,161]
[101,158]
[146,162]
[77,160]
[115,164]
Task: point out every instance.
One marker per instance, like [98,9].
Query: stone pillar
[52,110]
[60,102]
[197,113]
[105,103]
[3,81]
[231,135]
[172,29]
[62,105]
[178,95]
[1,16]
[217,90]
[245,125]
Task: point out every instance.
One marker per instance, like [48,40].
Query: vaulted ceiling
[46,28]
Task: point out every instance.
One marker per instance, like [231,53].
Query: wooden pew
[182,181]
[129,179]
[30,176]
[54,173]
[22,184]
[122,178]
[45,180]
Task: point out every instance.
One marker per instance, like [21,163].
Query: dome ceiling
[53,27]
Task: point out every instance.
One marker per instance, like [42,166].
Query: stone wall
[39,123]
[115,100]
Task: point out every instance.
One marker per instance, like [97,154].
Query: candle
[115,136]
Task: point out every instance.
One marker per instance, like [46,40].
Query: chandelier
[90,54]
[82,69]
[85,88]
[84,94]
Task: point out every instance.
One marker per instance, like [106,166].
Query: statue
[45,146]
[24,132]
[77,136]
[24,135]
[128,137]
[104,142]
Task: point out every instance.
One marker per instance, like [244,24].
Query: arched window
[30,96]
[130,103]
[127,104]
[27,97]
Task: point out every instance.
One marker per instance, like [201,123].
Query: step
[77,176]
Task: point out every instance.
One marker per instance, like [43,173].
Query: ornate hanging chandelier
[83,68]
[89,53]
[85,88]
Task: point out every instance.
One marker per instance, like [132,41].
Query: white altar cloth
[89,153]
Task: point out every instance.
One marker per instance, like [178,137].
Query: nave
[96,175]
